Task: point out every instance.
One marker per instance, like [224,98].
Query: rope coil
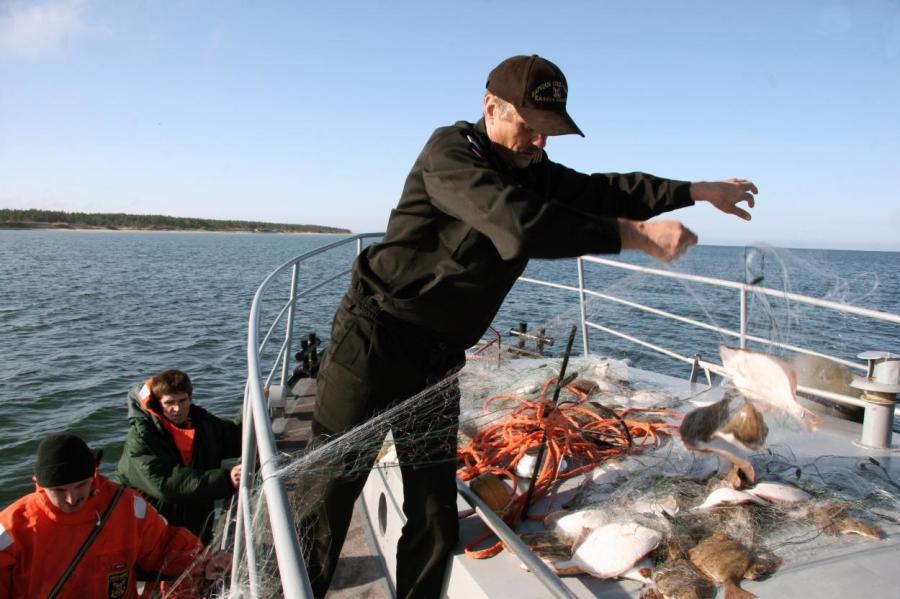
[577,432]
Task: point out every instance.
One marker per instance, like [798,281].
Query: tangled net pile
[577,437]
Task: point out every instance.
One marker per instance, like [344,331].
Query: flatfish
[734,520]
[849,525]
[768,382]
[585,386]
[572,524]
[724,560]
[611,550]
[550,546]
[646,398]
[780,493]
[676,578]
[655,505]
[728,496]
[833,518]
[745,427]
[680,580]
[701,425]
[640,572]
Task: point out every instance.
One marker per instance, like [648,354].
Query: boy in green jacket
[174,450]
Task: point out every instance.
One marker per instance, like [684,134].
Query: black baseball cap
[64,459]
[538,90]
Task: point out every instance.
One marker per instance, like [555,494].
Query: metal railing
[742,334]
[259,438]
[259,456]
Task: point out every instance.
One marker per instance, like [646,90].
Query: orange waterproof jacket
[38,542]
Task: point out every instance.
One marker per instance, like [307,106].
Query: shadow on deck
[360,572]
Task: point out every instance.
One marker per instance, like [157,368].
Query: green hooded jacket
[151,463]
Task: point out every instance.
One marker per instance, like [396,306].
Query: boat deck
[360,572]
[378,519]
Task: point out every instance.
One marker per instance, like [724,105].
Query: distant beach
[81,228]
[31,219]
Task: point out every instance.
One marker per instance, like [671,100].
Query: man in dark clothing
[174,450]
[480,201]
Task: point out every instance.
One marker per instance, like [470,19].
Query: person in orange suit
[45,549]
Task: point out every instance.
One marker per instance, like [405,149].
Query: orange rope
[573,432]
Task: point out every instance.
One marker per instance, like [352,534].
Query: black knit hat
[64,459]
[538,90]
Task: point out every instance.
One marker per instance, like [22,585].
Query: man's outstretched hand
[726,195]
[665,240]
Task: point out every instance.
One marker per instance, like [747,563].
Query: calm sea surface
[84,315]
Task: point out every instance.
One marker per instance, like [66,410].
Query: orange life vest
[38,542]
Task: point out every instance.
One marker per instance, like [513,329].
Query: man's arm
[518,221]
[169,550]
[665,240]
[726,195]
[228,437]
[151,472]
[636,196]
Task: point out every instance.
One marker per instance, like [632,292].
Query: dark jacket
[151,463]
[467,224]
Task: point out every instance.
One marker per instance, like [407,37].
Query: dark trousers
[372,364]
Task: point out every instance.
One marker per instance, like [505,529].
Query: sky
[314,112]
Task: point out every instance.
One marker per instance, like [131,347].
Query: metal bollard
[880,388]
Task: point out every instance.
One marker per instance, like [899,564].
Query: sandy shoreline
[17,227]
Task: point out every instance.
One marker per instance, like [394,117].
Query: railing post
[584,332]
[744,317]
[695,369]
[359,247]
[248,471]
[289,329]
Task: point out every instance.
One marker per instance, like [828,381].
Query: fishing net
[611,441]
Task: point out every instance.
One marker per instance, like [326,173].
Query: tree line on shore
[32,219]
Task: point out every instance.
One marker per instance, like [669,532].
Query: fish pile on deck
[709,530]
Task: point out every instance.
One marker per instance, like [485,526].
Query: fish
[649,399]
[780,493]
[834,520]
[680,580]
[610,550]
[526,464]
[724,560]
[849,525]
[728,496]
[655,505]
[640,572]
[677,578]
[572,524]
[745,427]
[701,424]
[547,545]
[765,563]
[585,386]
[736,521]
[768,382]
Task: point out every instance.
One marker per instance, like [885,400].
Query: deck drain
[382,513]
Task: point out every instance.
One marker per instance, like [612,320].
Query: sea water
[84,315]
